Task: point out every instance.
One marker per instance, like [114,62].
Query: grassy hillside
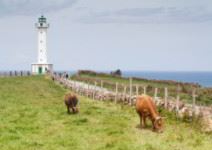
[33,117]
[204,94]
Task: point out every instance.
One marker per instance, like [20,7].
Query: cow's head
[75,110]
[158,124]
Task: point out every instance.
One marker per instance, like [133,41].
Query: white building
[42,65]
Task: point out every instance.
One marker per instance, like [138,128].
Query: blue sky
[159,35]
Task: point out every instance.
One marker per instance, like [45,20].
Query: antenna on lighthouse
[42,66]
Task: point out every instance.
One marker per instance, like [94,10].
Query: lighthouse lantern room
[42,66]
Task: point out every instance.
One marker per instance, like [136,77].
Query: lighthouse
[42,66]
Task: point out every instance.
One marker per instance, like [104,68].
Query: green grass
[33,117]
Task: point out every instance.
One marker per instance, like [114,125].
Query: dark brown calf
[71,102]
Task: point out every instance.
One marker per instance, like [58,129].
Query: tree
[116,73]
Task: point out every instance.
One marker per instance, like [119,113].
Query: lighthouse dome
[42,19]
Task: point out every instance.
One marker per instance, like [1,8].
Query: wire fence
[128,95]
[14,73]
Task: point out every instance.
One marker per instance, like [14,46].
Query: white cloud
[149,15]
[31,7]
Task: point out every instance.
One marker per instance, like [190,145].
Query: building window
[41,41]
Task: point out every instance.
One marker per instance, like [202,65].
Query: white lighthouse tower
[42,65]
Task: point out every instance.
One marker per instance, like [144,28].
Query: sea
[202,78]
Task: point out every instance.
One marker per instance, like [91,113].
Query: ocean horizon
[202,78]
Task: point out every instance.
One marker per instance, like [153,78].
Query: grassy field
[33,117]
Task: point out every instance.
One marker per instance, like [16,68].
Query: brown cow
[71,101]
[146,108]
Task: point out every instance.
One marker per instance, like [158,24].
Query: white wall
[42,45]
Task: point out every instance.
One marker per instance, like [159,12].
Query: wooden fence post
[101,84]
[66,84]
[144,89]
[165,97]
[130,91]
[124,94]
[116,96]
[102,93]
[177,103]
[178,99]
[77,88]
[156,93]
[74,86]
[193,101]
[94,90]
[88,89]
[137,90]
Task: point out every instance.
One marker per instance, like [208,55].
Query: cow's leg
[153,125]
[144,121]
[141,120]
[68,110]
[76,110]
[73,110]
